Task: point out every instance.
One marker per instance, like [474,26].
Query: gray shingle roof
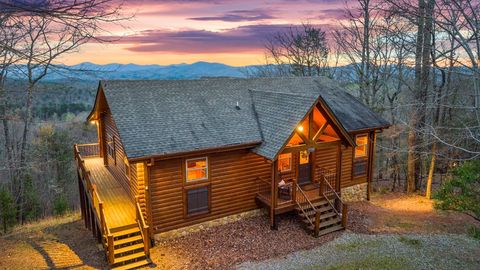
[278,115]
[156,117]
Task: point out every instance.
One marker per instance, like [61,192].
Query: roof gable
[278,115]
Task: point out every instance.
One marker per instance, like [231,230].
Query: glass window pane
[361,149]
[285,162]
[197,169]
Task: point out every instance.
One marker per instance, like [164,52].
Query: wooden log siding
[326,158]
[232,185]
[116,164]
[347,166]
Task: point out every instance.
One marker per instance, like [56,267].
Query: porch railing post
[294,190]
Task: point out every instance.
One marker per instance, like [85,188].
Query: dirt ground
[65,243]
[55,243]
[400,213]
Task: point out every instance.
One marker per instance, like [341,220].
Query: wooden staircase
[128,248]
[328,219]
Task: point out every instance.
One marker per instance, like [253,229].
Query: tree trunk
[428,193]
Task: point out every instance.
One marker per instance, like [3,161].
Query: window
[360,167]
[362,146]
[197,200]
[197,169]
[304,157]
[285,162]
[110,146]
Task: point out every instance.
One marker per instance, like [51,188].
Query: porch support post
[80,193]
[338,172]
[273,197]
[101,138]
[372,138]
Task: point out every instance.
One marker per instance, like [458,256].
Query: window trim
[206,170]
[291,160]
[366,146]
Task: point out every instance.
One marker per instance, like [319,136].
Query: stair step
[123,228]
[128,248]
[317,203]
[126,232]
[132,265]
[330,222]
[322,216]
[330,230]
[127,240]
[128,257]
[326,223]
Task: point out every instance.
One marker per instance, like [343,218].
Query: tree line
[36,167]
[416,63]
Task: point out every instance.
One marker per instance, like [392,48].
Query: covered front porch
[306,173]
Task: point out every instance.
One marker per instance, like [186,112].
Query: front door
[304,169]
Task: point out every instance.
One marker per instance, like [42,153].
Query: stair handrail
[343,215]
[304,196]
[143,226]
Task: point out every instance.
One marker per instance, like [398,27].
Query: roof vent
[237,106]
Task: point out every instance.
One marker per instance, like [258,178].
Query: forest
[415,62]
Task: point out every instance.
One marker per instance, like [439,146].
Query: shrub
[7,210]
[60,205]
[462,191]
[474,232]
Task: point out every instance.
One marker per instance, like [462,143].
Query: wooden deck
[118,208]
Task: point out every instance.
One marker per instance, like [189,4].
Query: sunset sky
[187,31]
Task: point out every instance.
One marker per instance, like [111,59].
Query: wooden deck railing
[143,226]
[326,176]
[264,187]
[88,150]
[304,204]
[338,205]
[94,197]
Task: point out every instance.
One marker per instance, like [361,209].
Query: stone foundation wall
[355,193]
[207,224]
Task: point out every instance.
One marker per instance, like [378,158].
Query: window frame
[365,155]
[206,170]
[291,160]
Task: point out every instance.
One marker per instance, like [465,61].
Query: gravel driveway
[385,251]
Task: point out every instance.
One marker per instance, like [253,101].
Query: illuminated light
[93,122]
[300,128]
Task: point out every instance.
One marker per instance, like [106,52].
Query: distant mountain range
[94,72]
[90,72]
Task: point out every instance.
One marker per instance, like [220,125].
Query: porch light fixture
[93,122]
[300,128]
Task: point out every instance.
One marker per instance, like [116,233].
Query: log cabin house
[172,153]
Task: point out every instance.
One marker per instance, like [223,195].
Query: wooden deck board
[118,207]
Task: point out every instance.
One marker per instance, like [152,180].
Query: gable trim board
[204,112]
